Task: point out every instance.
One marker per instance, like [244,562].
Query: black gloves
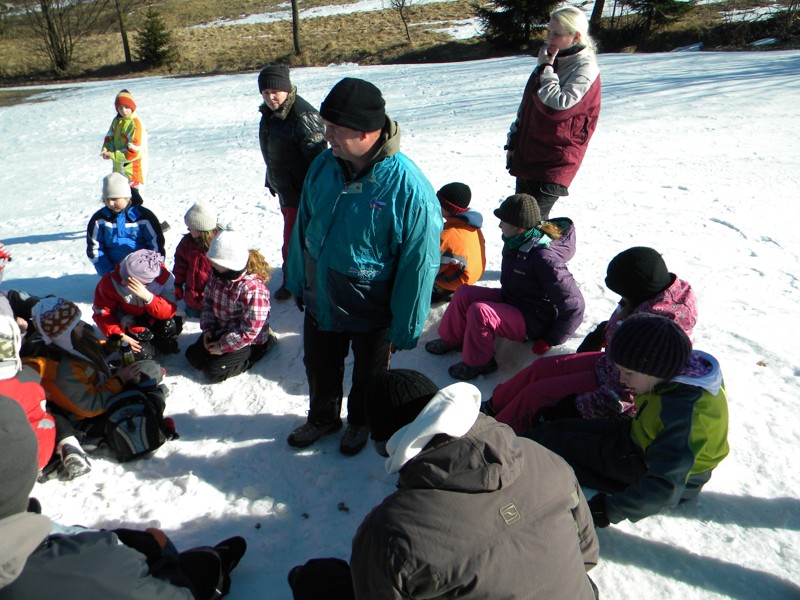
[593,342]
[598,507]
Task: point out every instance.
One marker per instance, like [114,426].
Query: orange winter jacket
[463,251]
[127,141]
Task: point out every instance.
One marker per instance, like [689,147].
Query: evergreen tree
[512,23]
[153,40]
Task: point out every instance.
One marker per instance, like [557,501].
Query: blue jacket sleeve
[416,268]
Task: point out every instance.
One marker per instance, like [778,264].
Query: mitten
[598,507]
[178,293]
[540,347]
[593,342]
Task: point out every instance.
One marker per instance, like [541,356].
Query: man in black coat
[291,135]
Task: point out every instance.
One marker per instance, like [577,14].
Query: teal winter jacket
[364,251]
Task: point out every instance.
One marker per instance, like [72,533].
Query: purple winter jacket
[534,278]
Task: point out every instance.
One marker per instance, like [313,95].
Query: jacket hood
[452,411]
[564,247]
[20,535]
[487,458]
[709,377]
[470,217]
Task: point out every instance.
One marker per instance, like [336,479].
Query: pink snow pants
[543,383]
[475,316]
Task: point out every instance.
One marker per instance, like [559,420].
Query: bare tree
[123,32]
[296,27]
[403,7]
[59,25]
[597,14]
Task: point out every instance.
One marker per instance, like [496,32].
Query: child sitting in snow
[120,227]
[75,373]
[192,268]
[22,385]
[667,453]
[125,144]
[538,299]
[587,384]
[134,302]
[236,308]
[463,247]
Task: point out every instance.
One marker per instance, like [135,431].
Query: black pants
[325,353]
[600,451]
[218,367]
[545,193]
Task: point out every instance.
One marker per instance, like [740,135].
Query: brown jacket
[484,516]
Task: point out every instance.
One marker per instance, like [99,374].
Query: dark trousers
[545,193]
[325,353]
[218,367]
[136,197]
[600,451]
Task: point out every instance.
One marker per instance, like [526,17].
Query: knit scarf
[515,241]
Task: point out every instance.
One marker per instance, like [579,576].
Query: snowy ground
[696,155]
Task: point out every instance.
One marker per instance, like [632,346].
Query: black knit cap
[274,77]
[652,345]
[396,397]
[637,274]
[454,197]
[356,104]
[519,210]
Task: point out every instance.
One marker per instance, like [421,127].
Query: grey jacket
[486,515]
[89,565]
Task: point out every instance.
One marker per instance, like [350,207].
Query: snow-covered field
[695,155]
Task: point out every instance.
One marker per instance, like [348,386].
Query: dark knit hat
[18,458]
[356,104]
[274,77]
[395,399]
[322,578]
[124,98]
[637,274]
[454,197]
[519,210]
[652,345]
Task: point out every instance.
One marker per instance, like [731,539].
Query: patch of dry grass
[365,37]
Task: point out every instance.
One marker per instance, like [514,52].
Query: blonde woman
[558,113]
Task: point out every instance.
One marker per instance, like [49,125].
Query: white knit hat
[10,342]
[200,217]
[229,250]
[115,185]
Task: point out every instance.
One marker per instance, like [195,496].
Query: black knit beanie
[395,399]
[356,104]
[652,345]
[519,210]
[322,578]
[637,274]
[274,77]
[454,197]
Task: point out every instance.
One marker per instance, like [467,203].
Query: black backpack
[135,425]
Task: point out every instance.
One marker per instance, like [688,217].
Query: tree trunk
[123,31]
[597,14]
[296,28]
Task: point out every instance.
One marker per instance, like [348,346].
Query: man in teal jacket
[362,258]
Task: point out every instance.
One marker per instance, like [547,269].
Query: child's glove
[540,347]
[598,507]
[178,293]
